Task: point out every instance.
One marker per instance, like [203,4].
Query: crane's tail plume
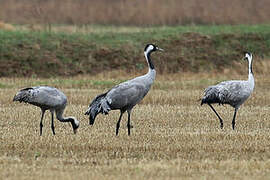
[98,105]
[211,96]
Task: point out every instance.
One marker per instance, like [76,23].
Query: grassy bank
[68,51]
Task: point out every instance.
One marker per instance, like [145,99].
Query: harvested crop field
[173,136]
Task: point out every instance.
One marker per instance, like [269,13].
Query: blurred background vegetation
[135,12]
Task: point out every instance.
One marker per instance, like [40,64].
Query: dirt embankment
[189,52]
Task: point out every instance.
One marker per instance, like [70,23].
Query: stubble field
[173,136]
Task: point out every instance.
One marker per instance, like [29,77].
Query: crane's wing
[126,94]
[42,96]
[233,92]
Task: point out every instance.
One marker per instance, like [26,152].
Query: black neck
[251,67]
[151,65]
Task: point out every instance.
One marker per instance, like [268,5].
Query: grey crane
[47,98]
[126,95]
[234,93]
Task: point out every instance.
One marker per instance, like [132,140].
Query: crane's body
[47,98]
[126,95]
[234,93]
[129,93]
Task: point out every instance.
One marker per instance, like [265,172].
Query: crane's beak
[159,49]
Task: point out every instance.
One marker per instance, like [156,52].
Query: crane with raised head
[234,92]
[126,95]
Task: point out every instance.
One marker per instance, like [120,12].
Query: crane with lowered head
[47,98]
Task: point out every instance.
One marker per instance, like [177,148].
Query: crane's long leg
[234,115]
[128,123]
[52,125]
[118,122]
[221,121]
[41,124]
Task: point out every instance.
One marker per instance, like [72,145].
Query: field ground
[173,136]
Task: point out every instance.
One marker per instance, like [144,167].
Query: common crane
[234,93]
[47,98]
[126,95]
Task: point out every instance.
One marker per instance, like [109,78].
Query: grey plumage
[125,95]
[47,98]
[234,93]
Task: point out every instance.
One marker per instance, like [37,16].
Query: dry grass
[6,26]
[139,12]
[173,136]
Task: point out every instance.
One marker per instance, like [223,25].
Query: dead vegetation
[6,26]
[139,12]
[173,136]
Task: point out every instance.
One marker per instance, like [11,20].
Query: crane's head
[248,56]
[75,124]
[151,48]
